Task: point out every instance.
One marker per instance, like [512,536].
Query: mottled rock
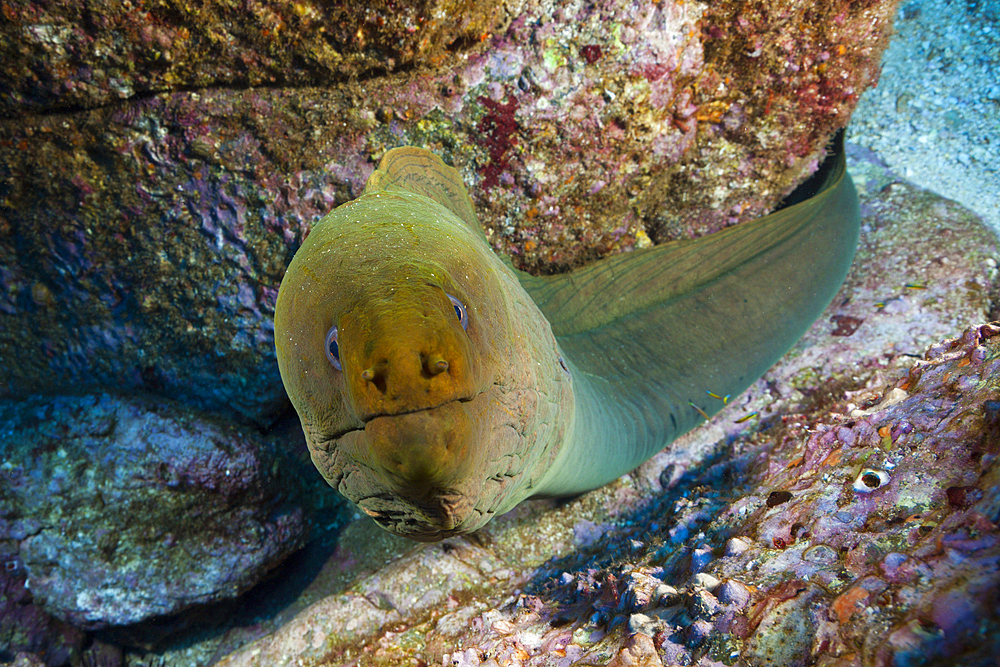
[638,651]
[129,509]
[785,630]
[70,55]
[160,165]
[426,579]
[24,627]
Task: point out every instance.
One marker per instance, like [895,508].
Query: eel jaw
[443,515]
[418,474]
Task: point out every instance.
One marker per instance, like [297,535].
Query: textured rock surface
[24,627]
[123,510]
[72,55]
[160,165]
[743,531]
[852,522]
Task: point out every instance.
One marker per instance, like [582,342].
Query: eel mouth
[427,447]
[330,441]
[419,473]
[441,517]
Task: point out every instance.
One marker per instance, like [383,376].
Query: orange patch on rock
[849,603]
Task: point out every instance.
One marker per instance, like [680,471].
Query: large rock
[865,536]
[161,166]
[123,510]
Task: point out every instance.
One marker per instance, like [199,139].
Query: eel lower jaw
[441,516]
[419,473]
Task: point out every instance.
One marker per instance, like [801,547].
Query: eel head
[411,355]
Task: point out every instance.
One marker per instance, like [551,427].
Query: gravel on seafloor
[934,117]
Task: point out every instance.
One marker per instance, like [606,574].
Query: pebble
[734,594]
[891,563]
[701,557]
[735,546]
[706,581]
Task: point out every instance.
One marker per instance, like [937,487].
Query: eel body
[438,387]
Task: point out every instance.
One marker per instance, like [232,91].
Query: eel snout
[402,360]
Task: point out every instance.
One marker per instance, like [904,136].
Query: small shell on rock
[736,546]
[869,480]
[894,396]
[820,554]
[706,581]
[665,595]
[641,623]
[640,592]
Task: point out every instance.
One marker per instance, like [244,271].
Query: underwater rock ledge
[838,551]
[158,168]
[122,510]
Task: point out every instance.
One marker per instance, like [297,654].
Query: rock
[129,509]
[638,651]
[734,594]
[784,636]
[24,627]
[426,579]
[26,660]
[641,592]
[706,581]
[791,619]
[80,55]
[161,166]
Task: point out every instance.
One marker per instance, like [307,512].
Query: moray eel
[438,387]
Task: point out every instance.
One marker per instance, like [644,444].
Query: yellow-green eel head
[427,382]
[437,387]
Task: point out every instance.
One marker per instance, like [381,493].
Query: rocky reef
[129,509]
[842,512]
[160,164]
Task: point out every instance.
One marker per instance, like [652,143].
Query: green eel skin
[465,387]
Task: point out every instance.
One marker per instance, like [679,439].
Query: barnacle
[869,480]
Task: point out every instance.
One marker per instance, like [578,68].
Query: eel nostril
[435,365]
[376,376]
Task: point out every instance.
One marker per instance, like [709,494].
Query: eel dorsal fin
[418,171]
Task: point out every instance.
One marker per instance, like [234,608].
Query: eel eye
[332,348]
[460,311]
